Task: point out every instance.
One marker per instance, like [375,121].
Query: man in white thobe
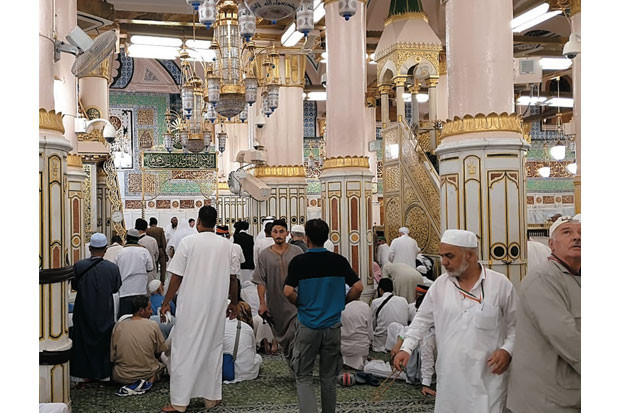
[383,252]
[473,310]
[171,228]
[264,242]
[202,274]
[386,309]
[355,334]
[404,248]
[247,362]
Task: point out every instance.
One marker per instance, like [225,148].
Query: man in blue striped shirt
[319,277]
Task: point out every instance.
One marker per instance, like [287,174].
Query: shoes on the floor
[135,388]
[366,378]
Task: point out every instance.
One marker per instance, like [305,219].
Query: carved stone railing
[410,189]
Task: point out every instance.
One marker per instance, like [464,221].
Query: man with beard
[171,228]
[473,310]
[269,276]
[546,371]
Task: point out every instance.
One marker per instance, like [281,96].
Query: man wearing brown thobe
[158,233]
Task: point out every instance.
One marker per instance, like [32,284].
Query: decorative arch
[388,71]
[423,65]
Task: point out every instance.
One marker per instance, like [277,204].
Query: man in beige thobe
[546,365]
[269,276]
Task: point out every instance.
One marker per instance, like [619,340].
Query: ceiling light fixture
[156,40]
[317,96]
[291,36]
[529,15]
[536,21]
[152,52]
[560,102]
[572,168]
[319,11]
[530,100]
[555,63]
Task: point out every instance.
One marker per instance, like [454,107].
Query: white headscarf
[183,230]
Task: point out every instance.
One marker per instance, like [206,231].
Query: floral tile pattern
[273,391]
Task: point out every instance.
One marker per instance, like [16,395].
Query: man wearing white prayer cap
[546,370]
[404,249]
[473,310]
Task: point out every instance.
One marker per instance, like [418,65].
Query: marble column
[442,89]
[346,180]
[415,105]
[482,149]
[54,265]
[576,28]
[400,81]
[283,139]
[432,107]
[94,100]
[384,91]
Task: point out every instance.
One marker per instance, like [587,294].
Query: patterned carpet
[273,391]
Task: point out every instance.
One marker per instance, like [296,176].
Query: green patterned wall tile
[550,185]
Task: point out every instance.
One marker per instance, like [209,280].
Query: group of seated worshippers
[380,326]
[140,342]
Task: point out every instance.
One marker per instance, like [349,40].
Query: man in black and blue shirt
[319,277]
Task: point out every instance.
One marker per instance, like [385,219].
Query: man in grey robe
[269,277]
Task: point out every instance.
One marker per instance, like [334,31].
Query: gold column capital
[483,123]
[400,81]
[51,120]
[280,171]
[414,89]
[385,88]
[432,81]
[74,160]
[103,71]
[346,162]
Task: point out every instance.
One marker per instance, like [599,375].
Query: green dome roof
[405,6]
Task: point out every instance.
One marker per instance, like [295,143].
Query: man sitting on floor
[386,309]
[156,289]
[355,334]
[247,362]
[136,345]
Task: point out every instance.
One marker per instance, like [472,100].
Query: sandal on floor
[132,389]
[169,409]
[210,404]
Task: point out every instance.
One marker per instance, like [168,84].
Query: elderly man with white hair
[473,310]
[404,249]
[546,371]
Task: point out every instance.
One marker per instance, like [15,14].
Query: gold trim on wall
[51,120]
[280,171]
[483,123]
[406,16]
[346,162]
[74,160]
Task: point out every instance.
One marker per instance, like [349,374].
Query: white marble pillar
[346,180]
[415,105]
[400,81]
[283,139]
[283,134]
[66,98]
[483,87]
[482,163]
[442,97]
[384,91]
[576,75]
[432,107]
[54,265]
